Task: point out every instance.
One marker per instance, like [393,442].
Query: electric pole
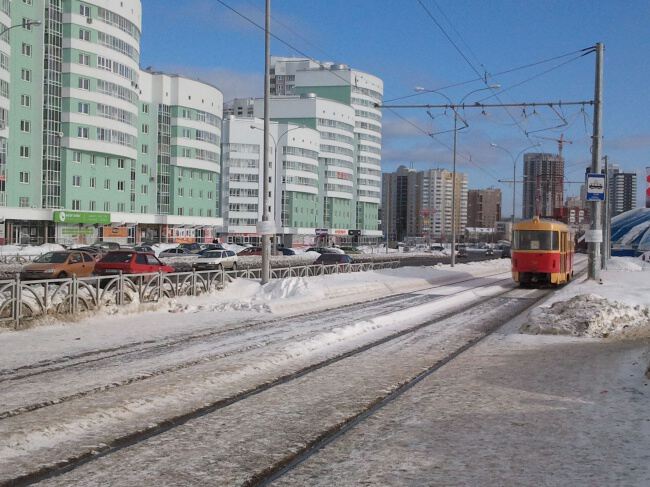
[266,237]
[595,233]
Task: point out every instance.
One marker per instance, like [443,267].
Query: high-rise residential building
[239,107]
[622,189]
[419,203]
[483,207]
[93,147]
[359,91]
[295,199]
[543,185]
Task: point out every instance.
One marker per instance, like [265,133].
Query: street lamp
[265,260]
[454,107]
[25,24]
[514,179]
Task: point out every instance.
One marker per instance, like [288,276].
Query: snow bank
[617,307]
[589,315]
[29,249]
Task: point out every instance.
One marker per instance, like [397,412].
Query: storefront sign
[340,232]
[72,217]
[115,232]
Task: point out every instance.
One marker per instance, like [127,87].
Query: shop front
[79,227]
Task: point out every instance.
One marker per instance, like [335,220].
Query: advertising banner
[647,190]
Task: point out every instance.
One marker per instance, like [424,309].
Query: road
[234,405]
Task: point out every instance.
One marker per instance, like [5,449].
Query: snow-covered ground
[617,307]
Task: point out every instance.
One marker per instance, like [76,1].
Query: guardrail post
[120,290]
[74,294]
[193,281]
[160,285]
[223,278]
[17,300]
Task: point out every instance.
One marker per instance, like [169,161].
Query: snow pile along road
[589,315]
[617,307]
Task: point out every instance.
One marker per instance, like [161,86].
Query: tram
[542,253]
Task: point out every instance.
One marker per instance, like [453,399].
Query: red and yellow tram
[542,252]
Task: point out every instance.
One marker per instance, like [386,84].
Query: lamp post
[454,107]
[25,24]
[266,268]
[514,180]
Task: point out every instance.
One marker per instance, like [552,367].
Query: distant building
[419,203]
[622,190]
[483,207]
[239,107]
[543,184]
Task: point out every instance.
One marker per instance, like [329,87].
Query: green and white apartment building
[326,176]
[91,146]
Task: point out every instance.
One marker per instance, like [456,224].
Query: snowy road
[63,411]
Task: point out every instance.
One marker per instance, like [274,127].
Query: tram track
[117,444]
[93,356]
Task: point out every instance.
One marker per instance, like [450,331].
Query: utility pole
[596,231]
[453,195]
[266,237]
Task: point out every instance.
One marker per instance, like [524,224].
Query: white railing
[24,300]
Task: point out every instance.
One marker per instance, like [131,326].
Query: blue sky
[397,41]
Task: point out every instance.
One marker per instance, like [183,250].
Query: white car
[216,259]
[175,252]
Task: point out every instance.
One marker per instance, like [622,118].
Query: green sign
[74,217]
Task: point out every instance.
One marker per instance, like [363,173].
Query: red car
[130,262]
[251,251]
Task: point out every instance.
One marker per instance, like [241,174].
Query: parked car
[130,262]
[107,245]
[175,252]
[461,251]
[505,252]
[59,265]
[489,252]
[96,252]
[350,250]
[250,251]
[287,251]
[210,247]
[325,250]
[216,259]
[437,248]
[193,248]
[330,259]
[144,248]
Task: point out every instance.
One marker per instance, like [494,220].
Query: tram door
[563,253]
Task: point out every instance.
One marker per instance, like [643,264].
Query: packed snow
[617,307]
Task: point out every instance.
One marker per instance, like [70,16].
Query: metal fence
[17,258]
[22,300]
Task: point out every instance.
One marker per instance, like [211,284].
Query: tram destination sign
[595,187]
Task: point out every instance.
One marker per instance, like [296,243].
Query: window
[187,152]
[180,192]
[24,177]
[209,195]
[27,2]
[536,240]
[76,204]
[92,159]
[24,151]
[143,169]
[120,185]
[26,74]
[144,209]
[121,207]
[27,23]
[120,163]
[25,100]
[191,192]
[145,128]
[141,259]
[84,59]
[84,84]
[84,35]
[144,189]
[82,132]
[92,205]
[107,162]
[27,49]
[88,257]
[107,206]
[76,181]
[25,126]
[107,184]
[84,10]
[83,108]
[76,157]
[179,211]
[23,202]
[92,182]
[187,133]
[145,149]
[145,108]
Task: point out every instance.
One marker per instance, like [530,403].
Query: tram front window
[536,240]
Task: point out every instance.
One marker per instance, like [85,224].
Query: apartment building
[543,185]
[92,147]
[483,207]
[419,203]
